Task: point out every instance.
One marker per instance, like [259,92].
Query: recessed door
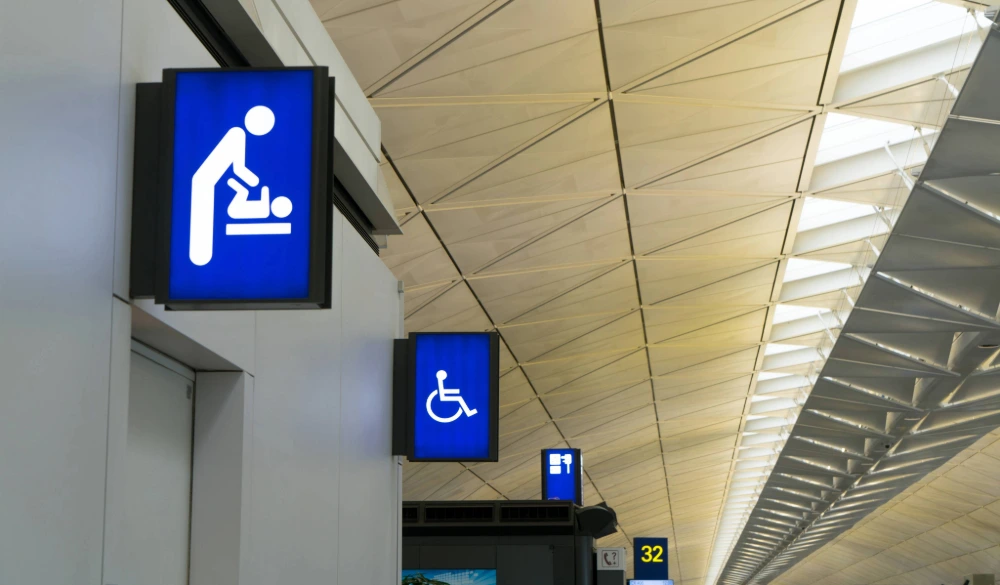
[157,475]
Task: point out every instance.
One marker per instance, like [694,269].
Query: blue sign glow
[650,559]
[454,383]
[242,185]
[561,475]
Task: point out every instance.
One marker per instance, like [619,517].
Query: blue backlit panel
[242,184]
[454,407]
[562,473]
[650,559]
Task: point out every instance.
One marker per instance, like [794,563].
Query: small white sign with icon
[611,559]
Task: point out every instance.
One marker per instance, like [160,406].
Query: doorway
[157,491]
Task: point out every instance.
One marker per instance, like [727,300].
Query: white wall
[293,463]
[59,73]
[323,503]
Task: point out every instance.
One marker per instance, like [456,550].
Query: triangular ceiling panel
[759,235]
[548,376]
[673,386]
[568,399]
[578,157]
[533,340]
[436,146]
[765,165]
[669,278]
[666,359]
[415,297]
[595,235]
[739,330]
[417,257]
[747,288]
[600,375]
[375,37]
[557,293]
[783,63]
[455,310]
[542,46]
[661,220]
[643,36]
[623,404]
[515,392]
[662,137]
[666,323]
[479,237]
[614,336]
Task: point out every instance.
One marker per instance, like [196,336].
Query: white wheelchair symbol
[231,151]
[448,395]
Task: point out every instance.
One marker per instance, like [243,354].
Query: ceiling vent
[458,514]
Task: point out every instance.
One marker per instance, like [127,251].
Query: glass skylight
[881,32]
[786,313]
[776,348]
[823,212]
[799,268]
[886,28]
[845,136]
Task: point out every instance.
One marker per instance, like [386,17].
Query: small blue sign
[242,185]
[456,396]
[562,471]
[650,559]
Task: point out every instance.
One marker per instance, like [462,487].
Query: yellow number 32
[652,554]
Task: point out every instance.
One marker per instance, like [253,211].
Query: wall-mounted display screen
[449,577]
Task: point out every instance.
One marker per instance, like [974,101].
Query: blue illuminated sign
[562,471]
[454,405]
[247,169]
[650,559]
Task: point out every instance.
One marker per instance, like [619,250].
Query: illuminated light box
[562,475]
[245,212]
[454,397]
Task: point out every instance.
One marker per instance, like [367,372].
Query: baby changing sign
[246,207]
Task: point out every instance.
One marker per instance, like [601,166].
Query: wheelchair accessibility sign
[448,395]
[455,396]
[244,162]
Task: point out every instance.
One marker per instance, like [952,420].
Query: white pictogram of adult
[448,395]
[231,151]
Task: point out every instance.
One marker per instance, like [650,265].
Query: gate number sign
[650,558]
